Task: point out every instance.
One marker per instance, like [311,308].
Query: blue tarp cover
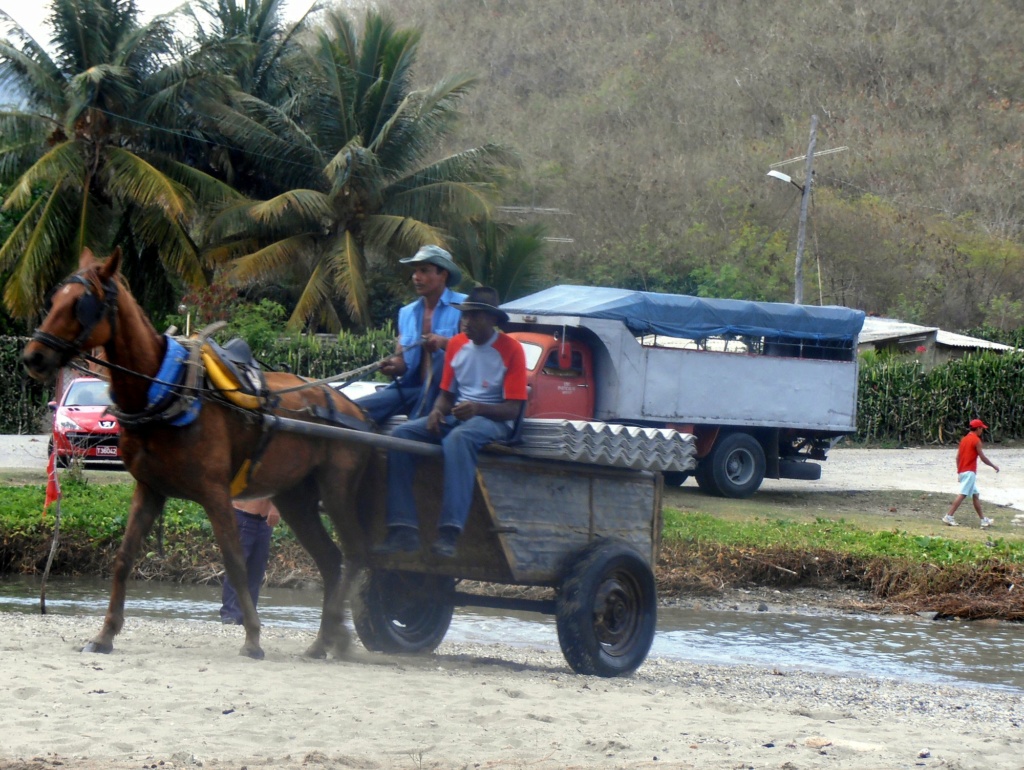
[677,315]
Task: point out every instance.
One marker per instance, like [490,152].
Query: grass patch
[907,572]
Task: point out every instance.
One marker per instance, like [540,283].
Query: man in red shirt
[967,457]
[483,387]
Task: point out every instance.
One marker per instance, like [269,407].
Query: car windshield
[88,394]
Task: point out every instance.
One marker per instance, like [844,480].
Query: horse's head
[82,316]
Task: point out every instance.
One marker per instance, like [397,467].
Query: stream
[979,653]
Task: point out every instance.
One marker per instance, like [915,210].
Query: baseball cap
[435,255]
[978,424]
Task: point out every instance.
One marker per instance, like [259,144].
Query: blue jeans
[255,534]
[461,442]
[414,400]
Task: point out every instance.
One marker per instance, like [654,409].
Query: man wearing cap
[967,456]
[483,389]
[432,320]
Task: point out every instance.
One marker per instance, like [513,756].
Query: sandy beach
[176,694]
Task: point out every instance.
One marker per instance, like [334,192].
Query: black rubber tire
[705,478]
[398,612]
[737,465]
[606,610]
[675,478]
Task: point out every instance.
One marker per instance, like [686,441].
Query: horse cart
[578,510]
[589,532]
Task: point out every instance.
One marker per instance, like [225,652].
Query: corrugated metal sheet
[879,329]
[963,341]
[600,443]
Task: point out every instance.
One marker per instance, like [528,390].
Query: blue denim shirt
[445,322]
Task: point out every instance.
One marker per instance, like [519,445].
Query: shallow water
[987,654]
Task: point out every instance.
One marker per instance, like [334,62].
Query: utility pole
[801,237]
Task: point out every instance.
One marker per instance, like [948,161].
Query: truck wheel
[606,610]
[705,478]
[402,612]
[675,478]
[737,465]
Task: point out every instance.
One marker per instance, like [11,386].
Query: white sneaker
[986,522]
[949,520]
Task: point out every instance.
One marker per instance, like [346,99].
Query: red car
[82,427]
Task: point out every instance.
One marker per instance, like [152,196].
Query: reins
[91,310]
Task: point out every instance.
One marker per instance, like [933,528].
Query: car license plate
[107,451]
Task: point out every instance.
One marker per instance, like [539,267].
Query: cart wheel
[402,611]
[606,610]
[736,465]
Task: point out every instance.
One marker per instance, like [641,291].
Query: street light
[785,178]
[805,197]
[183,310]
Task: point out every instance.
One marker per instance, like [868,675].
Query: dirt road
[927,470]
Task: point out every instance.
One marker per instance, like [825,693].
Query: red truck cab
[560,377]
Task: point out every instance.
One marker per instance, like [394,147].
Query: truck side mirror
[564,356]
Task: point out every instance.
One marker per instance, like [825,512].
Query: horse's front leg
[299,508]
[146,506]
[221,514]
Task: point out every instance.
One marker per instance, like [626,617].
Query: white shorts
[968,484]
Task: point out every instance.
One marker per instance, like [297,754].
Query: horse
[93,308]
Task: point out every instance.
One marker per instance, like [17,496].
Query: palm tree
[508,259]
[87,155]
[251,41]
[353,157]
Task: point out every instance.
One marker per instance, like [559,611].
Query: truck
[766,389]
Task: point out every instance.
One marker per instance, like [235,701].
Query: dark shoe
[231,621]
[400,539]
[444,546]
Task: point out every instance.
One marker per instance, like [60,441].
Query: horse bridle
[90,310]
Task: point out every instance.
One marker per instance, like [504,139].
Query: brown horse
[93,308]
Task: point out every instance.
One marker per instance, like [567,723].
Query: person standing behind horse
[967,456]
[483,389]
[434,319]
[256,520]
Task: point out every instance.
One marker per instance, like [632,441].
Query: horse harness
[90,310]
[174,396]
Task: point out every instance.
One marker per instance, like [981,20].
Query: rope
[349,377]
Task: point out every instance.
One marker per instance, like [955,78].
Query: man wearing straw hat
[483,389]
[430,320]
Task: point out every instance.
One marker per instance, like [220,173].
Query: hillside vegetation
[650,125]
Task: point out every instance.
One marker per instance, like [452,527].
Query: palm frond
[64,160]
[348,268]
[178,254]
[306,209]
[392,237]
[40,264]
[137,182]
[436,201]
[22,138]
[270,261]
[30,70]
[205,189]
[314,303]
[287,157]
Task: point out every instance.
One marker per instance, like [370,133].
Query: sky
[31,14]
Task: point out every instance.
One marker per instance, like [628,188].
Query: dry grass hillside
[650,125]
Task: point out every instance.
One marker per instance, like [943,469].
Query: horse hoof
[104,648]
[316,651]
[256,653]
